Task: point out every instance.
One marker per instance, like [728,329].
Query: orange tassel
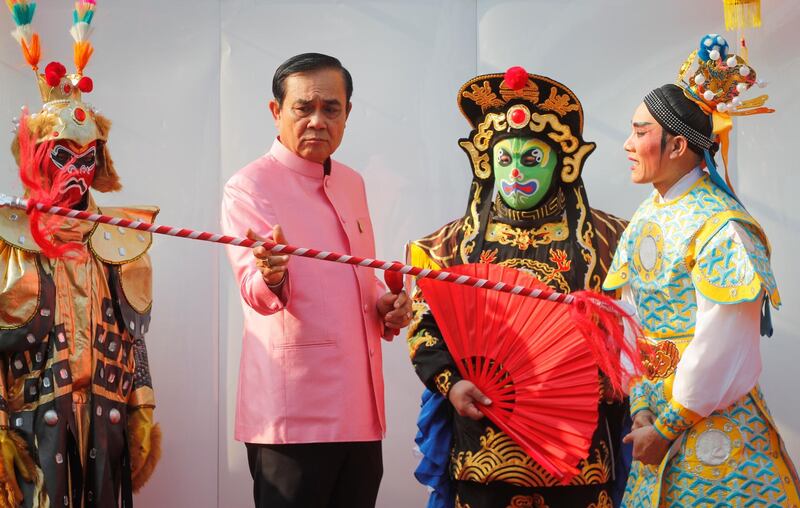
[82,52]
[33,52]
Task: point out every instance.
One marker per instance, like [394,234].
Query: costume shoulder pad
[15,230]
[117,245]
[730,260]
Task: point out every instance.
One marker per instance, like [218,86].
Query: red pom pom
[85,84]
[54,72]
[516,78]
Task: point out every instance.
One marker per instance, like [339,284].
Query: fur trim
[106,178]
[144,470]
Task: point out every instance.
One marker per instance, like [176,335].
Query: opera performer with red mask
[76,398]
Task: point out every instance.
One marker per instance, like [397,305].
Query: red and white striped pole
[542,293]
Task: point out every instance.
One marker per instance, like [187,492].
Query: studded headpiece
[64,115]
[522,104]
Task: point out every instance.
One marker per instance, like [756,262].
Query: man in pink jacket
[310,403]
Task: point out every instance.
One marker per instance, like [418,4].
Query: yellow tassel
[742,14]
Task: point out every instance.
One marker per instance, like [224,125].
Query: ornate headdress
[63,111]
[715,80]
[523,104]
[517,104]
[63,115]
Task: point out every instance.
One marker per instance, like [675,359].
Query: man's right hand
[272,265]
[465,397]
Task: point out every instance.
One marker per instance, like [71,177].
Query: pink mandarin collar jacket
[311,368]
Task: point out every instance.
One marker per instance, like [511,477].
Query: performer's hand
[642,419]
[395,309]
[465,397]
[272,265]
[649,447]
[14,458]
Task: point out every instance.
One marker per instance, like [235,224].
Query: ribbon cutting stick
[543,293]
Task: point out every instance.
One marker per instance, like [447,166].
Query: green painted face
[523,171]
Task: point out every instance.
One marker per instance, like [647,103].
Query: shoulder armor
[438,249]
[15,231]
[730,260]
[117,245]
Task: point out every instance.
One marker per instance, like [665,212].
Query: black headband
[666,116]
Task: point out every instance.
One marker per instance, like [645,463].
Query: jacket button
[366,307]
[371,351]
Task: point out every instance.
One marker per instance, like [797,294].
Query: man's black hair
[308,62]
[688,111]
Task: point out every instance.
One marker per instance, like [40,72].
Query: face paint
[523,171]
[72,168]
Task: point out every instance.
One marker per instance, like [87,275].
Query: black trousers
[316,475]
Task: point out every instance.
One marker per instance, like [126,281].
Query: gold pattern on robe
[416,341]
[542,271]
[524,239]
[443,382]
[501,459]
[459,504]
[604,501]
[534,501]
[662,360]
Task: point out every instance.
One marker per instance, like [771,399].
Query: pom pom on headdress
[714,79]
[54,72]
[516,78]
[85,84]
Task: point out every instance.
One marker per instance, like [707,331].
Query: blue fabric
[434,439]
[715,177]
[624,460]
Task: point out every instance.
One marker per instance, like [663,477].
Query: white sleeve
[723,361]
[628,304]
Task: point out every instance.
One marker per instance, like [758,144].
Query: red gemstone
[80,114]
[517,116]
[67,88]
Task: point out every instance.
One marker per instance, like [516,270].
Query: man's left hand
[649,447]
[395,309]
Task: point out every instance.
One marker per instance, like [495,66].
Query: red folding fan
[528,356]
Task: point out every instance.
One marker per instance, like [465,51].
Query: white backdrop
[187,83]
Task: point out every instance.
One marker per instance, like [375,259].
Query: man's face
[71,167]
[644,147]
[523,171]
[312,118]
